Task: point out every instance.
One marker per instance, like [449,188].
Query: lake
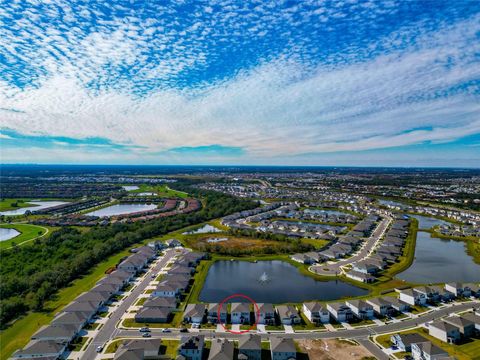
[130,187]
[285,284]
[427,222]
[40,205]
[207,228]
[121,209]
[7,234]
[440,260]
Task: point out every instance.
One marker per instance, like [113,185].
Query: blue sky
[240,82]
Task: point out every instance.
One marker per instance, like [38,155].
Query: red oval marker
[256,310]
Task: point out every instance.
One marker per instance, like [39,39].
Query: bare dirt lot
[333,350]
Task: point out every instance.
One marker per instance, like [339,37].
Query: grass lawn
[13,204]
[384,340]
[18,334]
[362,322]
[77,345]
[317,243]
[305,324]
[93,326]
[113,346]
[161,190]
[27,232]
[141,301]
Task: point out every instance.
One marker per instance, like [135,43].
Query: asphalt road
[109,329]
[335,268]
[374,349]
[346,333]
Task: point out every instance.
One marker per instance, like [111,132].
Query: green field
[18,335]
[12,204]
[161,190]
[27,232]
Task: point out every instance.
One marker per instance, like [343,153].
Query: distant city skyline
[322,83]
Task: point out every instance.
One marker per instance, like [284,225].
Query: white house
[412,297]
[340,312]
[362,309]
[316,312]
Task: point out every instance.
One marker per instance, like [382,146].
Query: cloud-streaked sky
[351,82]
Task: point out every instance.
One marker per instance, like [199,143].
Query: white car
[99,348]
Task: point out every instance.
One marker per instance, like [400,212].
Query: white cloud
[278,108]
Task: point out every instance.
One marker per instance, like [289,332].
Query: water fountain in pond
[264,278]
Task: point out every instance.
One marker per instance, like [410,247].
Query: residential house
[404,341]
[194,313]
[98,298]
[59,333]
[362,309]
[153,315]
[282,348]
[41,349]
[381,306]
[464,325]
[78,319]
[360,276]
[427,351]
[473,318]
[340,311]
[398,305]
[111,289]
[457,289]
[444,331]
[266,314]
[191,347]
[166,290]
[412,297]
[316,312]
[240,313]
[221,349]
[365,267]
[250,347]
[133,264]
[139,349]
[288,314]
[214,310]
[165,302]
[88,308]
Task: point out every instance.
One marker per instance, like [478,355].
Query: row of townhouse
[165,298]
[249,347]
[241,313]
[387,253]
[52,340]
[343,246]
[422,295]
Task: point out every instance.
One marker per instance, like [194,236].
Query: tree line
[32,274]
